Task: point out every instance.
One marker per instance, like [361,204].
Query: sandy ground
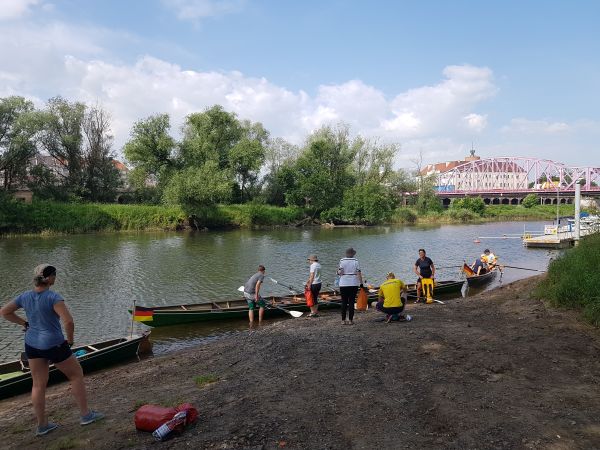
[493,371]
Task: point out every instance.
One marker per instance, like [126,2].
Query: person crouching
[392,298]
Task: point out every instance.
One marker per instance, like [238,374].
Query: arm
[8,312]
[310,280]
[416,270]
[258,285]
[360,278]
[65,316]
[432,271]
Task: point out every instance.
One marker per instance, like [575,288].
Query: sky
[511,78]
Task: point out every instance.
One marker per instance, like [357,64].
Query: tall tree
[19,126]
[62,139]
[101,179]
[323,170]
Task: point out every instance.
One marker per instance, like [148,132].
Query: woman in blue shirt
[46,344]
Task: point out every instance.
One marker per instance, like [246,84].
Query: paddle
[291,313]
[435,300]
[523,268]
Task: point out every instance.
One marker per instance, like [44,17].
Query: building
[486,177]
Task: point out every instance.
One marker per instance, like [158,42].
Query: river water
[100,275]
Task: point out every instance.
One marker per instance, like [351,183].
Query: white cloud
[14,9]
[195,10]
[438,120]
[526,126]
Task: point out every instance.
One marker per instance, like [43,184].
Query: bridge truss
[526,175]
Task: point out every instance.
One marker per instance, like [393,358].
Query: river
[100,275]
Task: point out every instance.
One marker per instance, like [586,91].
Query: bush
[568,286]
[405,215]
[530,200]
[474,204]
[368,204]
[462,214]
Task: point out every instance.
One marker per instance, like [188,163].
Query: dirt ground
[493,371]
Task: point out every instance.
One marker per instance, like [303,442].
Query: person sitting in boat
[478,266]
[490,259]
[252,294]
[392,298]
[424,268]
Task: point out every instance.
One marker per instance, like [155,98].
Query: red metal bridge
[507,180]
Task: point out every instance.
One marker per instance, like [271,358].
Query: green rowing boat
[15,377]
[162,316]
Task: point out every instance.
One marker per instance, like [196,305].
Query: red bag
[310,300]
[150,417]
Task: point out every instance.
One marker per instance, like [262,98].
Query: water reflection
[100,275]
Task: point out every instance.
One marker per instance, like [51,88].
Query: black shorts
[55,354]
[315,289]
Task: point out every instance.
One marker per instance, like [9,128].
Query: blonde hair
[390,275]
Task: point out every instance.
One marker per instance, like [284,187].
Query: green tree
[195,187]
[62,139]
[402,184]
[427,199]
[246,158]
[373,163]
[530,200]
[323,171]
[474,204]
[366,204]
[151,152]
[19,127]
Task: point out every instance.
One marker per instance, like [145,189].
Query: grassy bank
[572,281]
[492,213]
[54,217]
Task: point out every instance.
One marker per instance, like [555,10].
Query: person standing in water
[252,294]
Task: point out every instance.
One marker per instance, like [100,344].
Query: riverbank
[43,217]
[497,370]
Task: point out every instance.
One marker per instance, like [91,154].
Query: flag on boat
[143,314]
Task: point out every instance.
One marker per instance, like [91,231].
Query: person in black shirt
[424,268]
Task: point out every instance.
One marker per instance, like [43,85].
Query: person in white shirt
[350,281]
[314,284]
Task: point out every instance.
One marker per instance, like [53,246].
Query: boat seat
[94,349]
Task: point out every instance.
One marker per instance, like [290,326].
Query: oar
[290,288]
[523,268]
[291,313]
[435,300]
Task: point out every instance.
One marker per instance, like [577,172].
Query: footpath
[494,371]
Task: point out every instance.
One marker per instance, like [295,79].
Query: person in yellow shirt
[392,298]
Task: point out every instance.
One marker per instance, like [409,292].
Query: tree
[195,187]
[402,183]
[101,178]
[150,151]
[246,158]
[373,162]
[62,139]
[323,170]
[474,204]
[530,200]
[366,204]
[19,127]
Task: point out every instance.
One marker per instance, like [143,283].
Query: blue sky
[516,78]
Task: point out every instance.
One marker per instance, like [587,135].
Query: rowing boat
[15,376]
[161,316]
[479,280]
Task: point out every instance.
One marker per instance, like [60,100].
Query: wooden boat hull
[480,280]
[99,356]
[238,309]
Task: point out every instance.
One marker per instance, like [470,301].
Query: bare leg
[261,313]
[39,374]
[251,315]
[71,368]
[314,309]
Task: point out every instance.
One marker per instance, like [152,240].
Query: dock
[562,239]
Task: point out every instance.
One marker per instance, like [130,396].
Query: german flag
[142,314]
[468,270]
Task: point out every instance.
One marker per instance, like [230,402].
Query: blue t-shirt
[44,330]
